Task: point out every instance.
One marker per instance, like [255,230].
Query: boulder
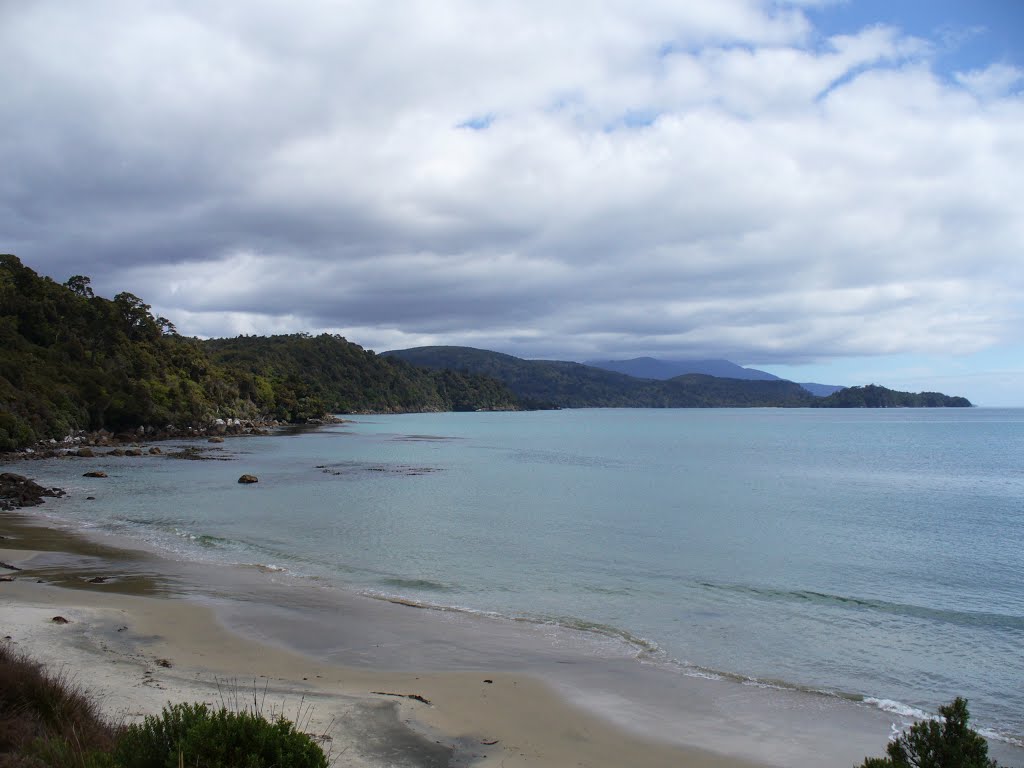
[155,451]
[85,453]
[246,479]
[19,491]
[215,440]
[95,473]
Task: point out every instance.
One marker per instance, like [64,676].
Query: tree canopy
[950,743]
[71,360]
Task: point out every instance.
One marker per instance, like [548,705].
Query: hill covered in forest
[575,385]
[71,360]
[566,384]
[655,368]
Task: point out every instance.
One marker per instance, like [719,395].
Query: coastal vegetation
[874,396]
[950,743]
[48,722]
[195,734]
[71,361]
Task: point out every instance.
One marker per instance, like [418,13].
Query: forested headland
[72,361]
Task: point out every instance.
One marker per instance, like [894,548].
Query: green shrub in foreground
[932,744]
[193,734]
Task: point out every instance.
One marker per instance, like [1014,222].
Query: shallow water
[874,555]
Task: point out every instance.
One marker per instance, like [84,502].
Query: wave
[913,713]
[641,646]
[206,540]
[961,618]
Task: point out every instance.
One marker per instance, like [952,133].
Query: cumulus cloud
[657,178]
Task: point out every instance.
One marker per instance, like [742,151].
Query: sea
[869,557]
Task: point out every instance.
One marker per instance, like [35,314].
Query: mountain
[564,384]
[654,368]
[821,390]
[575,385]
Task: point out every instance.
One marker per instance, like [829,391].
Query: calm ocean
[875,555]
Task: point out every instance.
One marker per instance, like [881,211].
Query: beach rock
[85,453]
[98,580]
[116,452]
[60,620]
[95,473]
[246,479]
[19,491]
[155,451]
[132,452]
[215,440]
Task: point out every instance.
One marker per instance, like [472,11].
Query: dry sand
[136,653]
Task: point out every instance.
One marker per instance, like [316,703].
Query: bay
[875,555]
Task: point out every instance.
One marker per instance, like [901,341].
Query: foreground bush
[46,720]
[932,744]
[193,734]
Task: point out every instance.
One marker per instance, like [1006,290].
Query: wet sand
[136,643]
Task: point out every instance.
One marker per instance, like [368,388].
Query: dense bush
[193,734]
[46,720]
[932,744]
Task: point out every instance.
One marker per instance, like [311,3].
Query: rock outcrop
[19,491]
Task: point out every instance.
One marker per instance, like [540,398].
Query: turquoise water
[875,555]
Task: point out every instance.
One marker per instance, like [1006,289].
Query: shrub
[932,744]
[46,720]
[193,734]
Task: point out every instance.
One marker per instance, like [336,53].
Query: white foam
[991,735]
[898,708]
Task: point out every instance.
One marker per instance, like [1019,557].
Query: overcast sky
[829,191]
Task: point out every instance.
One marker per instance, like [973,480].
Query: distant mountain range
[564,384]
[653,368]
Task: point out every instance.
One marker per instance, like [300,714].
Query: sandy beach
[137,652]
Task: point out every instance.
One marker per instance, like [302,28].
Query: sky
[831,191]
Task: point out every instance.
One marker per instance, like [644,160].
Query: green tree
[933,744]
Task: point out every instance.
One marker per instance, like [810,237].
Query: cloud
[993,81]
[661,178]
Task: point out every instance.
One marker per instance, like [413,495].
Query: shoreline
[135,653]
[349,631]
